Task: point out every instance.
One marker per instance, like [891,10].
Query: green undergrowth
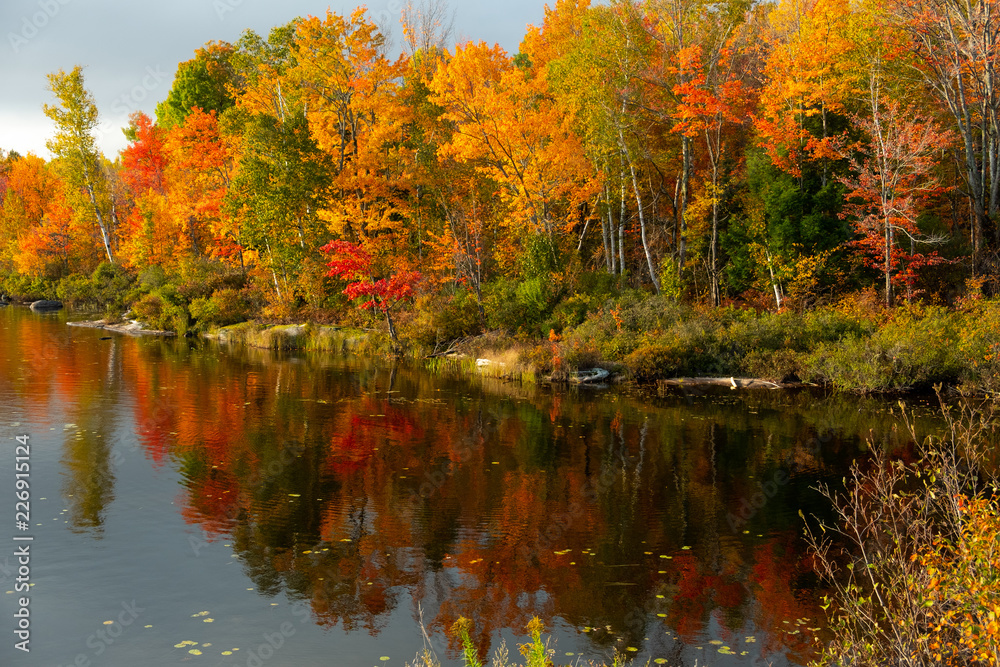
[910,347]
[536,652]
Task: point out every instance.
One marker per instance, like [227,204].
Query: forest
[677,164]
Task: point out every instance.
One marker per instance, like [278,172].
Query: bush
[156,312]
[77,290]
[912,556]
[773,365]
[655,361]
[113,288]
[519,306]
[224,307]
[438,320]
[26,288]
[913,350]
[978,344]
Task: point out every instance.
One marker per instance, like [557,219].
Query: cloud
[120,41]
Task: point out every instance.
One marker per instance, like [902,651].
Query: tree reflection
[362,489]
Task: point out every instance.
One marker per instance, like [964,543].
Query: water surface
[299,509]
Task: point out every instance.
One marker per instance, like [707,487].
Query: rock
[589,375]
[43,306]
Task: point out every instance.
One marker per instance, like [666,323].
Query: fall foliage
[734,153]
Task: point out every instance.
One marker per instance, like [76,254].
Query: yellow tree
[509,127]
[74,146]
[352,92]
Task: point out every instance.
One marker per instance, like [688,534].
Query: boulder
[43,306]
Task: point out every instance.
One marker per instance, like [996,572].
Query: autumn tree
[206,82]
[37,226]
[282,175]
[599,81]
[358,119]
[509,128]
[73,144]
[200,171]
[353,263]
[808,84]
[956,47]
[893,178]
[712,96]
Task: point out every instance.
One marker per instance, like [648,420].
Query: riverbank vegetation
[787,190]
[911,558]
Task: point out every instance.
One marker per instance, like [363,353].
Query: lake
[196,504]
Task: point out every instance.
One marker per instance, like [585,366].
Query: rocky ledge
[130,327]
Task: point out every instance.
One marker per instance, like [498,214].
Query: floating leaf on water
[147,626]
[665,556]
[206,645]
[662,615]
[715,642]
[108,622]
[209,620]
[685,548]
[725,650]
[194,651]
[200,613]
[384,658]
[631,648]
[660,661]
[227,653]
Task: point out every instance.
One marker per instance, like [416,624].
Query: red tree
[893,179]
[353,263]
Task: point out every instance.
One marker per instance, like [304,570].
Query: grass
[308,337]
[536,652]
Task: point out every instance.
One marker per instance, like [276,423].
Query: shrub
[913,350]
[912,556]
[76,290]
[651,362]
[774,365]
[156,312]
[518,306]
[113,288]
[224,307]
[438,320]
[978,344]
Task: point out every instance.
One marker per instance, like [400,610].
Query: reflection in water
[660,524]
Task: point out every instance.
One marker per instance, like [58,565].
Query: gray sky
[130,49]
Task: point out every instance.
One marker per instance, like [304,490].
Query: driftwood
[731,382]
